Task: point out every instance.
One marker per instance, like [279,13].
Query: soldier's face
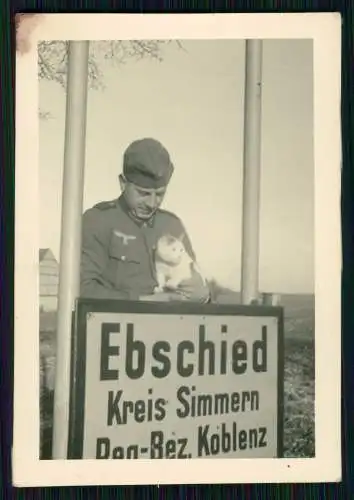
[142,202]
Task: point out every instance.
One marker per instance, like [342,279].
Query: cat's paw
[172,284]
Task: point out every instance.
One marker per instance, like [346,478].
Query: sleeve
[94,258]
[188,244]
[198,289]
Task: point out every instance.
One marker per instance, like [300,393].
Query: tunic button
[123,257]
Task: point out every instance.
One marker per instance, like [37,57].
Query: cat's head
[170,250]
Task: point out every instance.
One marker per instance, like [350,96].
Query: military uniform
[118,250]
[117,259]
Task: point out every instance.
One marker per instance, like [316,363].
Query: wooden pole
[70,244]
[251,172]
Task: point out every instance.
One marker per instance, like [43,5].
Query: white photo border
[325,31]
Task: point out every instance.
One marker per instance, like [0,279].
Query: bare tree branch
[52,57]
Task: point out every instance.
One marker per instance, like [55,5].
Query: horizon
[234,291]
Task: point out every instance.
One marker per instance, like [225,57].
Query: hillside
[299,310]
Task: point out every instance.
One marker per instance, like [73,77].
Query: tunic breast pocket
[124,261]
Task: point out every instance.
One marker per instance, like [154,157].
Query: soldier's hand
[193,290]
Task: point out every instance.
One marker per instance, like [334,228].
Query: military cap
[147,164]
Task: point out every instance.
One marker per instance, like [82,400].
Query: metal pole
[72,199]
[251,172]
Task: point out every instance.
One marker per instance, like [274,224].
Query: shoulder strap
[106,205]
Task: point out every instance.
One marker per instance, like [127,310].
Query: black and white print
[188,94]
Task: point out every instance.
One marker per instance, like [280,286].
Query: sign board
[155,381]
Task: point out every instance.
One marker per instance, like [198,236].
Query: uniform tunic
[117,251]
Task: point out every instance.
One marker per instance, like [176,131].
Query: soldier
[119,236]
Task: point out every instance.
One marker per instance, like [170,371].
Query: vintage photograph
[177,245]
[163,180]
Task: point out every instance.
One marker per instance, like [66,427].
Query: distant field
[298,312]
[299,387]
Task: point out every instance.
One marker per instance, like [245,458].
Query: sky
[193,102]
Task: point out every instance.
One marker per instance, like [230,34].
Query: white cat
[173,264]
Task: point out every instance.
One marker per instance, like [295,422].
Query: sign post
[251,172]
[176,381]
[74,161]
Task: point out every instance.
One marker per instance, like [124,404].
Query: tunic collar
[123,205]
